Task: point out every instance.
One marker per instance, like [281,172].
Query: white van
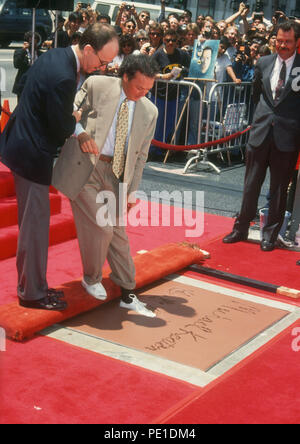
[111,8]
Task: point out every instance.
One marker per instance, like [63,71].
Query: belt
[107,159]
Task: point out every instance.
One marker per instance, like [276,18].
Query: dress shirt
[109,146]
[276,71]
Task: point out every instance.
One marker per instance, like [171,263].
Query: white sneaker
[137,306]
[96,290]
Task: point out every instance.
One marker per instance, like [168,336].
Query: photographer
[124,14]
[245,61]
[22,61]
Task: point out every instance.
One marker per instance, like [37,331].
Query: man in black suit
[22,61]
[274,138]
[42,121]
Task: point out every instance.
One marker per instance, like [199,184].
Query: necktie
[281,82]
[121,136]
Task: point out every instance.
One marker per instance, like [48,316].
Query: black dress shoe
[47,303]
[267,246]
[234,237]
[57,293]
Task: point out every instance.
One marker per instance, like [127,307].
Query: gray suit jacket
[283,116]
[99,98]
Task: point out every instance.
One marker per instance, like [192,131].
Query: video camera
[243,51]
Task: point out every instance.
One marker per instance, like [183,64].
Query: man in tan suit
[107,155]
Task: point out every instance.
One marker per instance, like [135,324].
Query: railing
[213,117]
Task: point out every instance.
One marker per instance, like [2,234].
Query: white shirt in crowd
[276,71]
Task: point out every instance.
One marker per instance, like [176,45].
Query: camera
[244,52]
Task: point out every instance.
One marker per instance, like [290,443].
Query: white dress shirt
[109,146]
[276,71]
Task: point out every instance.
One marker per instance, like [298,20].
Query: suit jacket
[22,64]
[43,119]
[99,98]
[284,115]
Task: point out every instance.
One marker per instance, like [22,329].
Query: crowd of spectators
[244,37]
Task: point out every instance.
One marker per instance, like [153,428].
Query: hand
[245,12]
[237,81]
[77,115]
[168,76]
[242,7]
[87,144]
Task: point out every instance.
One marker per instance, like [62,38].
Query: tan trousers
[98,243]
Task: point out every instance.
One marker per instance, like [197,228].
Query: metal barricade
[227,111]
[197,112]
[180,106]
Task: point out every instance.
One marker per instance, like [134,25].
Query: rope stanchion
[166,146]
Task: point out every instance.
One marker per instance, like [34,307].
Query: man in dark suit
[274,138]
[42,121]
[22,61]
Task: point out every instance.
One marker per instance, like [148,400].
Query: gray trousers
[98,242]
[32,253]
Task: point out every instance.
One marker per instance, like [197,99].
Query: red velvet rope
[166,146]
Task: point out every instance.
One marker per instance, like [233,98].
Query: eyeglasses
[154,34]
[170,40]
[130,27]
[101,61]
[142,39]
[145,16]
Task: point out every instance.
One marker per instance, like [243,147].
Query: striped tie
[121,136]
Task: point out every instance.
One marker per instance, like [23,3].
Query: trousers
[100,235]
[282,165]
[33,242]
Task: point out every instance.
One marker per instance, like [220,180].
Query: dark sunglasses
[155,34]
[170,40]
[141,39]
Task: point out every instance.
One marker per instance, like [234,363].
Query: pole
[33,36]
[56,29]
[266,286]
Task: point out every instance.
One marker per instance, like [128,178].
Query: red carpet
[264,389]
[44,381]
[246,259]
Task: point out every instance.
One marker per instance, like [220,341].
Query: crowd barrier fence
[209,117]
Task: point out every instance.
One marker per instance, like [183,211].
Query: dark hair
[139,63]
[225,42]
[98,35]
[73,17]
[126,38]
[28,36]
[104,16]
[171,32]
[288,26]
[130,21]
